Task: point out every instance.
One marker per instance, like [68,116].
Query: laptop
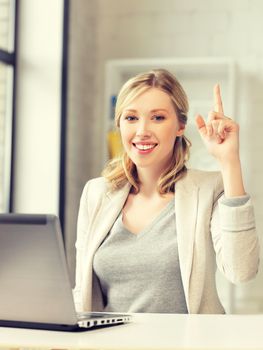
[35,290]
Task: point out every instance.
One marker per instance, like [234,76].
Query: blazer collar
[111,207]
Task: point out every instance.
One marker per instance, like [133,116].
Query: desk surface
[150,331]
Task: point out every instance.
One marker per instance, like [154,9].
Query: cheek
[169,134]
[169,140]
[126,131]
[125,135]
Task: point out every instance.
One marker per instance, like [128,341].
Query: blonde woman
[151,232]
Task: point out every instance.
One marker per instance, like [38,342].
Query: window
[7,80]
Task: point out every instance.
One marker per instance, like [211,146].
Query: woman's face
[149,127]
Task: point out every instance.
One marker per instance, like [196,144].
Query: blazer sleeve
[235,239]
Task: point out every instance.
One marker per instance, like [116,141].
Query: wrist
[232,178]
[230,163]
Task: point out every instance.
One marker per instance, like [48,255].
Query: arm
[235,239]
[232,227]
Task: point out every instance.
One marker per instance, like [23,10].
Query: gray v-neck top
[141,272]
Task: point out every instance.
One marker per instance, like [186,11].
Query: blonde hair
[121,170]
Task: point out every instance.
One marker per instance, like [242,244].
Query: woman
[151,232]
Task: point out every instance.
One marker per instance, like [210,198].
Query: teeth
[144,147]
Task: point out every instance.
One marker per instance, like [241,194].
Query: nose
[143,129]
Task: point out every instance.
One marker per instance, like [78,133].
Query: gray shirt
[141,273]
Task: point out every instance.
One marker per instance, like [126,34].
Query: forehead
[152,98]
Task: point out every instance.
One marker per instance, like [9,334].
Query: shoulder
[99,183]
[202,177]
[92,196]
[97,194]
[210,181]
[96,187]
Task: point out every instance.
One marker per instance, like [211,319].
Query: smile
[144,148]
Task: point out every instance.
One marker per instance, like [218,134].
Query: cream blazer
[209,233]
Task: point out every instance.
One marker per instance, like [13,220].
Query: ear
[180,131]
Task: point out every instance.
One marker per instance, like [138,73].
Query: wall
[82,151]
[37,148]
[168,28]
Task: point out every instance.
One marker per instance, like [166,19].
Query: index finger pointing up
[218,104]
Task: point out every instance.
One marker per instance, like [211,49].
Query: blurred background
[61,65]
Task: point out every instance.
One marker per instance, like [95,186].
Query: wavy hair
[121,170]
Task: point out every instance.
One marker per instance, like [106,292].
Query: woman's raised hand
[220,134]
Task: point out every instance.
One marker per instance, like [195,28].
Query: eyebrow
[151,111]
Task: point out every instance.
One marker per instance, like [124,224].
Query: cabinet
[197,76]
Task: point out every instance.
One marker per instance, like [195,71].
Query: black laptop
[35,290]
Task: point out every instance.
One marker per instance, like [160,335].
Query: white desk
[150,331]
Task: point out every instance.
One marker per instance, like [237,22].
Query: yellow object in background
[114,143]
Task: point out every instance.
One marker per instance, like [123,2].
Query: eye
[158,118]
[130,118]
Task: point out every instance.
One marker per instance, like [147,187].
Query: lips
[144,147]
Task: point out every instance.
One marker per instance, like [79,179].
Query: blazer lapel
[110,209]
[186,204]
[100,227]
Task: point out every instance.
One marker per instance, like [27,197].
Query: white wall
[36,184]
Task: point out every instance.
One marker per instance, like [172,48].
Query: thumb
[200,123]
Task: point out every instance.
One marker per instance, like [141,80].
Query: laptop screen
[33,272]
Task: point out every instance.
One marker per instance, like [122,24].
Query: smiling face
[149,127]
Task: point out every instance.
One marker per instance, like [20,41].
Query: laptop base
[42,326]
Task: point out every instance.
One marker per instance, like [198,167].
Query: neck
[148,182]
